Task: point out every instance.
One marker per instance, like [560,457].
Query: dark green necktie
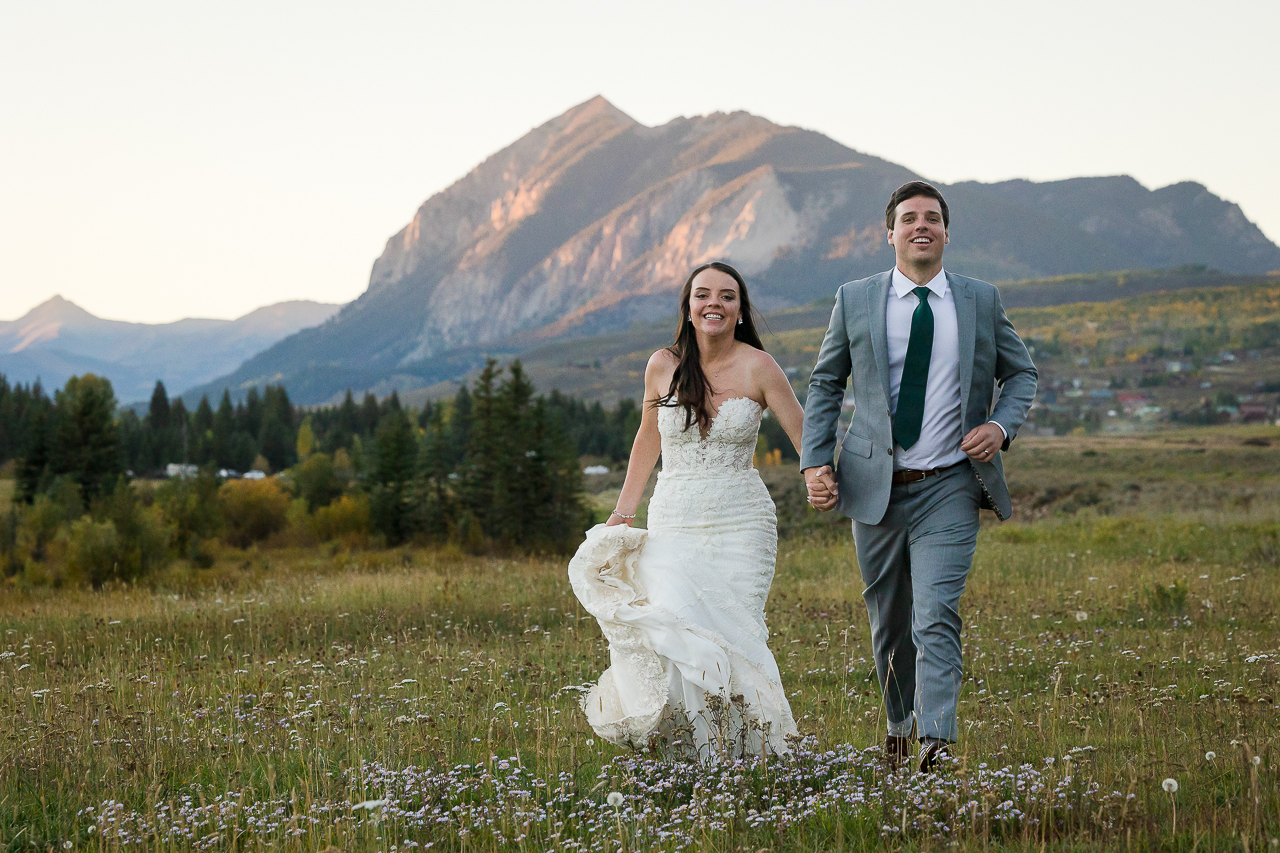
[915,374]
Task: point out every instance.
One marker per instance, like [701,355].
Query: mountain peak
[55,309]
[597,106]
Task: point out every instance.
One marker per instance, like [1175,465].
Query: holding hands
[823,492]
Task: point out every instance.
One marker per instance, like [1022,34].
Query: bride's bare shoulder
[662,361]
[760,362]
[664,356]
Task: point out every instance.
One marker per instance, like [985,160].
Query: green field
[1123,631]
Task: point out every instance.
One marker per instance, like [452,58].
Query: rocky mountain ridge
[591,222]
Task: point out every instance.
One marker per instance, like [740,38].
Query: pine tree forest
[105,493]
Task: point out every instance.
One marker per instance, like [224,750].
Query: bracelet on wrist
[622,515]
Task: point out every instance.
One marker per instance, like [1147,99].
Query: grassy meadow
[1122,632]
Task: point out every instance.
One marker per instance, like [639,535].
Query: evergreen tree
[9,421]
[395,460]
[158,411]
[369,414]
[460,426]
[202,433]
[224,425]
[519,471]
[158,445]
[250,416]
[346,425]
[179,444]
[432,497]
[132,434]
[485,451]
[277,439]
[85,441]
[33,470]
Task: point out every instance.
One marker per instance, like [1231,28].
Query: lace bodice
[729,445]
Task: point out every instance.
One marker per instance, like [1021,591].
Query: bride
[682,604]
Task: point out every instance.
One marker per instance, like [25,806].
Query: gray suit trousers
[914,564]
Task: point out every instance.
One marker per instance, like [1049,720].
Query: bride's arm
[648,444]
[779,397]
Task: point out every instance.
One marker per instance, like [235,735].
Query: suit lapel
[966,327]
[877,315]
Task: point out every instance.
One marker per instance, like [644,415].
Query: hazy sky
[164,160]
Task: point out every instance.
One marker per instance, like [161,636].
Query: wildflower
[1170,785]
[1081,615]
[67,845]
[1257,759]
[615,799]
[1210,755]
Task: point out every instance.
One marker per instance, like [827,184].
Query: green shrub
[193,508]
[142,530]
[252,510]
[39,522]
[347,519]
[317,480]
[92,550]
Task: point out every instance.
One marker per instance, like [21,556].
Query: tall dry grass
[399,699]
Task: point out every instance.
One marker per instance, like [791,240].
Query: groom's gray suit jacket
[857,345]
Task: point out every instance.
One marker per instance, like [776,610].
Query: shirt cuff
[1002,429]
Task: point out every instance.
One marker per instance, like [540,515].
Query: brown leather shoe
[897,751]
[934,754]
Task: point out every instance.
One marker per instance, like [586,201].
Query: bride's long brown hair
[689,385]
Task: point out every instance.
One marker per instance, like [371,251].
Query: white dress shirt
[940,430]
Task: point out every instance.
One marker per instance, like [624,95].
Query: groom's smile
[919,231]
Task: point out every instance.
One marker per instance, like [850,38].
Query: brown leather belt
[914,475]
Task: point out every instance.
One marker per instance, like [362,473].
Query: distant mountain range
[58,339]
[591,222]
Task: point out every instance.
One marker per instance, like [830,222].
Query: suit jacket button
[889,451]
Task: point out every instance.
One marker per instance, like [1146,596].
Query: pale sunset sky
[162,160]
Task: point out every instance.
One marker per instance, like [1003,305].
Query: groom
[926,350]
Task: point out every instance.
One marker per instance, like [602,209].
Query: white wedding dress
[682,604]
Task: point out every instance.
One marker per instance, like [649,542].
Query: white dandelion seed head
[1210,755]
[614,799]
[67,845]
[1081,615]
[1170,785]
[1257,759]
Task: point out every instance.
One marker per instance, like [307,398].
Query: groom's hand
[821,484]
[983,442]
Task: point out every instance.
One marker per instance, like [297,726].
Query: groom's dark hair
[911,189]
